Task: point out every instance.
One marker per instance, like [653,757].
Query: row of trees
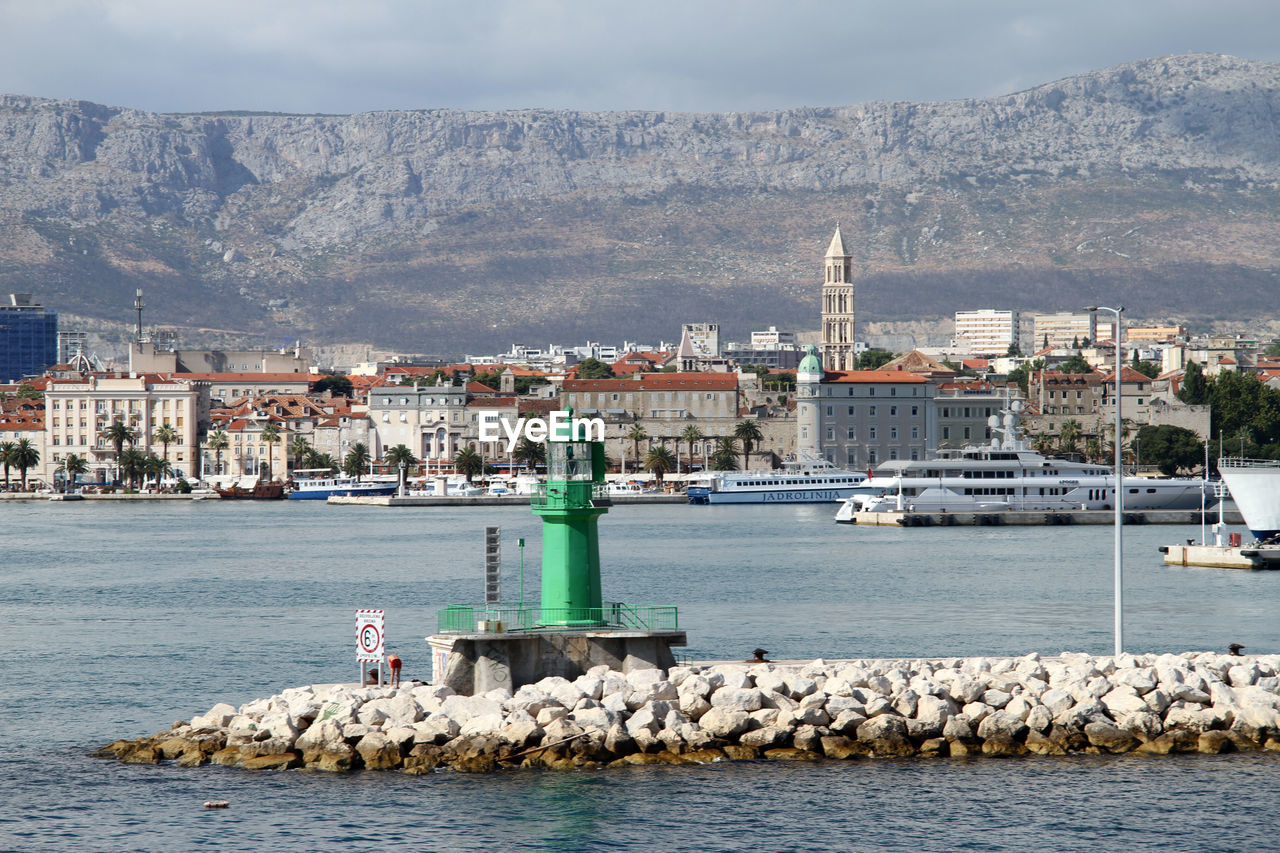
[20,454]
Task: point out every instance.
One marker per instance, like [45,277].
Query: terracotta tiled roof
[658,382]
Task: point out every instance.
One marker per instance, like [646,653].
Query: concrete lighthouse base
[476,663]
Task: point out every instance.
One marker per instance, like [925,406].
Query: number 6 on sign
[369,636]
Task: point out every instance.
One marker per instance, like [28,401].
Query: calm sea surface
[117,619]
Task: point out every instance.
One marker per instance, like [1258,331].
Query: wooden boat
[261,491]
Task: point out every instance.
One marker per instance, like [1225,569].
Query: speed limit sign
[370,638]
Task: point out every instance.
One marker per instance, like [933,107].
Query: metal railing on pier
[467,618]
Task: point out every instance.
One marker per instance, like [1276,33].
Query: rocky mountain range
[1154,184]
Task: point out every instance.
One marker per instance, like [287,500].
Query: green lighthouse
[570,503]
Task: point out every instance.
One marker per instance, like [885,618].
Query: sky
[344,56]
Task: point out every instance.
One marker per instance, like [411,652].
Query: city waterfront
[120,618]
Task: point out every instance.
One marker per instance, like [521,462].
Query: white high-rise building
[987,331]
[1064,330]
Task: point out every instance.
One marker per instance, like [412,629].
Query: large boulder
[378,753]
[738,699]
[1109,737]
[886,735]
[724,722]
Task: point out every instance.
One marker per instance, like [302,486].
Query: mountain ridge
[1156,179]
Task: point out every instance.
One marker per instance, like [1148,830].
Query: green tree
[692,435]
[299,447]
[321,462]
[27,391]
[166,435]
[73,465]
[1075,364]
[1148,369]
[1170,448]
[1194,390]
[592,368]
[873,359]
[530,453]
[154,467]
[747,432]
[24,457]
[1014,351]
[356,460]
[1273,350]
[218,442]
[270,434]
[132,464]
[118,434]
[468,463]
[637,434]
[338,385]
[725,456]
[1022,374]
[1093,449]
[659,461]
[1042,443]
[6,451]
[396,455]
[1069,435]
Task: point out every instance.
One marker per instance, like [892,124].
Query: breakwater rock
[1156,704]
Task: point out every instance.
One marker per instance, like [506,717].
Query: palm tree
[132,464]
[468,463]
[321,461]
[118,434]
[658,461]
[530,453]
[401,454]
[1042,443]
[692,435]
[73,465]
[270,434]
[6,448]
[1093,449]
[299,449]
[166,435]
[637,434]
[748,432]
[218,442]
[357,460]
[155,467]
[1068,435]
[23,456]
[725,456]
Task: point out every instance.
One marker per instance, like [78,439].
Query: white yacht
[797,481]
[1255,488]
[1007,475]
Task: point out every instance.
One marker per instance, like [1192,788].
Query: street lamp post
[1119,475]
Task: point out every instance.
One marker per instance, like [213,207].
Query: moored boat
[1255,487]
[322,488]
[797,481]
[260,490]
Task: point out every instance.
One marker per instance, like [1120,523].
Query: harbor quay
[1070,703]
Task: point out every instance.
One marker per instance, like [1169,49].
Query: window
[893,432]
[893,392]
[871,392]
[915,432]
[915,411]
[871,456]
[893,453]
[831,433]
[829,411]
[851,410]
[871,433]
[915,454]
[872,411]
[946,412]
[946,433]
[967,432]
[853,433]
[893,411]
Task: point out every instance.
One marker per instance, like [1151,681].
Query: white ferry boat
[320,488]
[1009,476]
[1255,487]
[798,481]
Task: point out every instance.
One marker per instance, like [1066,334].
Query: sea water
[118,618]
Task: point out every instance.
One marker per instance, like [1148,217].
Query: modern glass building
[28,338]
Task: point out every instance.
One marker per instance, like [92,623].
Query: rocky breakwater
[1155,704]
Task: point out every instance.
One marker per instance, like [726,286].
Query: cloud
[714,55]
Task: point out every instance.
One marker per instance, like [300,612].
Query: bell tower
[837,307]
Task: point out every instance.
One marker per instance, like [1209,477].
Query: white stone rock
[1143,725]
[975,712]
[770,681]
[813,700]
[693,705]
[1123,700]
[996,698]
[595,718]
[1157,700]
[741,699]
[880,684]
[722,722]
[838,687]
[643,719]
[1142,680]
[1186,693]
[838,704]
[483,724]
[800,686]
[965,690]
[1242,675]
[463,708]
[765,717]
[879,706]
[319,735]
[1039,718]
[435,729]
[1001,723]
[811,716]
[591,686]
[1018,706]
[550,714]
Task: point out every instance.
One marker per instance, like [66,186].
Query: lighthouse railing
[480,618]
